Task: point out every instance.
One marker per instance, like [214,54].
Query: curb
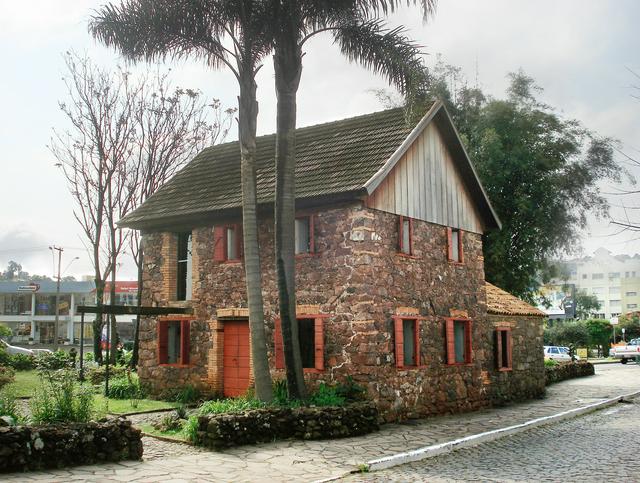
[476,439]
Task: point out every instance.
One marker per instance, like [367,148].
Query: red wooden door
[236,360]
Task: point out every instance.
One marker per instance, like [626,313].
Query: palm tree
[223,33]
[360,38]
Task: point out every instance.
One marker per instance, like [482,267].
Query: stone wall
[265,425]
[568,370]
[526,378]
[360,280]
[29,448]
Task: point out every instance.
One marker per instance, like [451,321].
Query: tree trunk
[112,319]
[97,323]
[136,328]
[248,118]
[288,68]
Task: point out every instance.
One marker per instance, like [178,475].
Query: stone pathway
[315,460]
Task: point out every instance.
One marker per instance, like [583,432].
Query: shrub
[280,392]
[326,396]
[9,406]
[550,363]
[351,391]
[190,429]
[5,331]
[188,394]
[61,399]
[125,387]
[88,357]
[7,375]
[229,405]
[52,361]
[96,375]
[22,362]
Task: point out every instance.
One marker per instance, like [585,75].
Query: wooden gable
[426,184]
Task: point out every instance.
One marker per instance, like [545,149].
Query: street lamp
[57,321]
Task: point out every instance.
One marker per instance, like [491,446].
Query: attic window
[227,243]
[184,278]
[405,235]
[454,248]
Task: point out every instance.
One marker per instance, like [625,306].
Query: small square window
[405,235]
[304,234]
[503,349]
[454,248]
[458,337]
[407,341]
[173,341]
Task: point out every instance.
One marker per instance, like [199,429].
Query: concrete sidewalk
[316,460]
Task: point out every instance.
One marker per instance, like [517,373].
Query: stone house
[389,271]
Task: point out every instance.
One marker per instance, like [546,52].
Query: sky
[581,52]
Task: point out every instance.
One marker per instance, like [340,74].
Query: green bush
[351,391]
[125,387]
[230,405]
[52,361]
[22,362]
[190,429]
[5,331]
[61,399]
[9,406]
[326,396]
[7,375]
[96,375]
[88,357]
[188,394]
[550,363]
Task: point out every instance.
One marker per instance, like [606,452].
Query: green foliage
[52,361]
[325,395]
[550,363]
[7,375]
[181,411]
[61,398]
[280,392]
[96,375]
[600,333]
[88,357]
[571,334]
[230,405]
[5,331]
[9,405]
[126,387]
[191,429]
[586,304]
[540,170]
[631,324]
[22,362]
[350,391]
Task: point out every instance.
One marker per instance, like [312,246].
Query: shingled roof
[335,158]
[503,303]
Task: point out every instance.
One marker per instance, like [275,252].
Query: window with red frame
[174,341]
[311,338]
[503,348]
[454,245]
[407,341]
[405,235]
[227,243]
[304,235]
[458,339]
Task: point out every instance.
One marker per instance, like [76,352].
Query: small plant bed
[560,371]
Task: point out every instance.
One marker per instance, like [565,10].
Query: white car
[566,351]
[556,353]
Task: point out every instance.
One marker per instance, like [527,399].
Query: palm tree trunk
[288,68]
[248,118]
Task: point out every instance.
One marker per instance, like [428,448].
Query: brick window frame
[220,243]
[504,332]
[450,347]
[312,236]
[450,245]
[318,342]
[398,333]
[163,341]
[402,250]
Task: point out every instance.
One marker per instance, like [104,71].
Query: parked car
[627,352]
[556,353]
[13,349]
[567,351]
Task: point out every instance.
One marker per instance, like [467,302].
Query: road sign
[614,321]
[32,287]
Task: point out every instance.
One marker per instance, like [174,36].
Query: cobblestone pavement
[313,460]
[601,446]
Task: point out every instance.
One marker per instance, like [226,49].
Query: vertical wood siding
[426,185]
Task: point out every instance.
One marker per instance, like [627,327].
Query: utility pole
[57,322]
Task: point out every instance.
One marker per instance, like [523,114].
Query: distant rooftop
[503,303]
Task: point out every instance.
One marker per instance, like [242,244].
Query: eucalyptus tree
[224,34]
[361,37]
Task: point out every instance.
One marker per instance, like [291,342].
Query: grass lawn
[123,406]
[25,384]
[177,434]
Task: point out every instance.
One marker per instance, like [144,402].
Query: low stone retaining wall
[568,370]
[263,425]
[28,448]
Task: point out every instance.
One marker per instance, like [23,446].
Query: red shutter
[319,343]
[417,342]
[239,241]
[163,341]
[468,355]
[278,346]
[450,342]
[460,251]
[509,350]
[499,349]
[219,249]
[449,247]
[400,233]
[185,341]
[399,344]
[312,234]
